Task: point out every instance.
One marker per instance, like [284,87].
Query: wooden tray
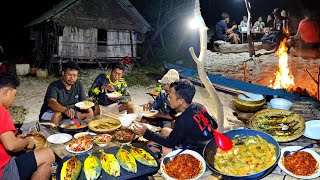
[296,122]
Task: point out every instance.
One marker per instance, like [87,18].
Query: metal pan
[64,126]
[211,149]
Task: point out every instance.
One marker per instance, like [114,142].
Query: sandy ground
[32,90]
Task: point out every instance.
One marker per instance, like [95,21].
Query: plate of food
[149,126]
[149,113]
[104,125]
[113,95]
[190,164]
[124,135]
[102,140]
[59,138]
[312,129]
[85,135]
[79,146]
[304,164]
[84,104]
[39,140]
[282,125]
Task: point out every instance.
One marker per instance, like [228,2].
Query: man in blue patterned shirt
[112,83]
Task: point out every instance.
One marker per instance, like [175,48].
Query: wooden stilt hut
[87,31]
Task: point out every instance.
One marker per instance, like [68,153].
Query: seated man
[275,34]
[111,83]
[161,102]
[192,128]
[243,23]
[223,32]
[308,34]
[30,165]
[258,25]
[62,95]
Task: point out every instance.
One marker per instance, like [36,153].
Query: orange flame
[283,78]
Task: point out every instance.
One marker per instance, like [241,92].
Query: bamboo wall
[83,44]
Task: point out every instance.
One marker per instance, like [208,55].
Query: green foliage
[144,76]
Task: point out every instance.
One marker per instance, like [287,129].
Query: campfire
[283,78]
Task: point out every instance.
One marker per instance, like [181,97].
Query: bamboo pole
[213,98]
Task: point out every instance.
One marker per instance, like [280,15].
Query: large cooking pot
[211,149]
[64,126]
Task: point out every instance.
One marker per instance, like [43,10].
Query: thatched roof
[101,14]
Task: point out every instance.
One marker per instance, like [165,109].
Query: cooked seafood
[110,164]
[184,166]
[143,156]
[249,155]
[92,167]
[124,135]
[79,145]
[70,169]
[103,138]
[301,163]
[126,160]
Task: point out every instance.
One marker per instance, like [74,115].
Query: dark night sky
[14,15]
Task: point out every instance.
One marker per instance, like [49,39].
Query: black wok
[211,149]
[64,125]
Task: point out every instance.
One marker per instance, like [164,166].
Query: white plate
[112,95]
[312,130]
[193,153]
[81,105]
[147,114]
[84,133]
[59,138]
[77,152]
[293,148]
[137,124]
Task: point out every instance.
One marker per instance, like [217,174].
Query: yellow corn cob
[70,169]
[143,156]
[92,167]
[126,160]
[110,164]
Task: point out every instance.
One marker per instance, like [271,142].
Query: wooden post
[131,44]
[249,34]
[213,98]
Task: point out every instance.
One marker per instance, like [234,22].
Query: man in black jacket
[192,128]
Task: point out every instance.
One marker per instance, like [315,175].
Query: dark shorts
[26,164]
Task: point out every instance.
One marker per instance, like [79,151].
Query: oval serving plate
[312,130]
[276,121]
[104,125]
[59,138]
[293,148]
[112,95]
[84,104]
[149,113]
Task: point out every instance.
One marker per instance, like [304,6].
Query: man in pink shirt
[30,165]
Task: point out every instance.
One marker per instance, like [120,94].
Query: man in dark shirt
[62,95]
[223,32]
[193,128]
[276,34]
